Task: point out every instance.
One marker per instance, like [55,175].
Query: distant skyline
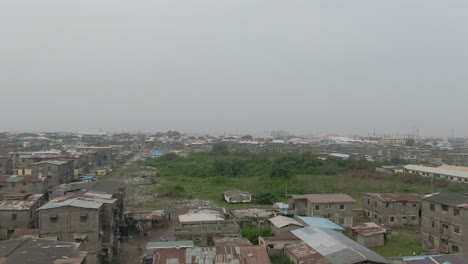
[244,67]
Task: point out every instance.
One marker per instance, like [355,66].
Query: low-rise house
[36,250]
[448,173]
[444,223]
[212,255]
[318,222]
[392,209]
[254,215]
[339,208]
[16,214]
[56,171]
[370,234]
[275,244]
[23,184]
[237,196]
[336,247]
[281,224]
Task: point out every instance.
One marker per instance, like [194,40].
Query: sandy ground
[128,253]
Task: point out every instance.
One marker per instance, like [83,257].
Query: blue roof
[320,222]
[157,153]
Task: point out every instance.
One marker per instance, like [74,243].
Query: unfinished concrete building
[203,233]
[87,220]
[23,184]
[6,165]
[444,223]
[16,214]
[56,171]
[338,208]
[392,209]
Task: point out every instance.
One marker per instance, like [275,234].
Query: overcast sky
[243,66]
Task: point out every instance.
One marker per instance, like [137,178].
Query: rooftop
[457,200]
[319,222]
[74,202]
[188,218]
[325,198]
[369,229]
[53,162]
[396,197]
[231,241]
[304,254]
[16,205]
[235,192]
[282,221]
[282,237]
[336,247]
[21,178]
[37,250]
[436,259]
[438,170]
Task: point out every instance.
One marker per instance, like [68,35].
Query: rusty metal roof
[231,241]
[369,229]
[282,237]
[212,255]
[396,197]
[304,254]
[16,205]
[325,198]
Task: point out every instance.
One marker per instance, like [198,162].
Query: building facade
[56,171]
[392,209]
[444,223]
[339,208]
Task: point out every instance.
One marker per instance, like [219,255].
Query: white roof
[438,170]
[186,218]
[282,221]
[456,168]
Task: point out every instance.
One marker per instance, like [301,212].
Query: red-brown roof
[304,254]
[325,198]
[369,229]
[396,197]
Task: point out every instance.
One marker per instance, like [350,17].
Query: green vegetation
[280,259]
[252,232]
[405,241]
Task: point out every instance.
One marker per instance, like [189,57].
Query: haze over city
[234,66]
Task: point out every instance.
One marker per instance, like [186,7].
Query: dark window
[341,221]
[317,207]
[444,207]
[414,205]
[454,249]
[392,219]
[368,201]
[456,230]
[83,218]
[432,207]
[375,216]
[433,223]
[13,217]
[342,206]
[444,226]
[456,212]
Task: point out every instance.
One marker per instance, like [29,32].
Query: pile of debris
[141,181]
[190,203]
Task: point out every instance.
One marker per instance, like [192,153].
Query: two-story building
[392,209]
[444,223]
[339,208]
[17,214]
[23,184]
[6,165]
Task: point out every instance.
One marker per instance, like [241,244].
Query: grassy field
[406,241]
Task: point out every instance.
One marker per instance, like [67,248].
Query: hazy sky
[245,66]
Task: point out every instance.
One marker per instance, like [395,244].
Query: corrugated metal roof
[325,198]
[187,218]
[304,254]
[336,247]
[319,222]
[282,221]
[369,229]
[17,205]
[438,170]
[458,200]
[75,202]
[396,197]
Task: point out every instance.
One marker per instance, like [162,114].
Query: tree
[220,149]
[266,198]
[247,137]
[281,170]
[410,142]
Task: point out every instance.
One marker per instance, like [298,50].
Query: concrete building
[6,166]
[41,251]
[87,220]
[276,244]
[236,196]
[56,171]
[448,173]
[16,214]
[301,253]
[338,208]
[370,234]
[444,223]
[23,184]
[336,247]
[392,209]
[203,233]
[280,224]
